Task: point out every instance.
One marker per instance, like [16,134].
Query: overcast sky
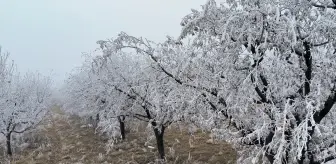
[50,36]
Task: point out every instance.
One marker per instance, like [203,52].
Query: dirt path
[68,142]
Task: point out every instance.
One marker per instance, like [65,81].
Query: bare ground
[68,142]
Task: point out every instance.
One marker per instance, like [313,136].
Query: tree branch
[320,44]
[318,116]
[324,6]
[324,160]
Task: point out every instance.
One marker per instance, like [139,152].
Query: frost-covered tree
[194,80]
[175,64]
[90,95]
[23,100]
[147,93]
[81,94]
[280,102]
[118,102]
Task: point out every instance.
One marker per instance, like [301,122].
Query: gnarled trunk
[159,141]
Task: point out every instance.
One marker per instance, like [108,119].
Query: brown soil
[68,142]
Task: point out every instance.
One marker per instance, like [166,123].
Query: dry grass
[69,143]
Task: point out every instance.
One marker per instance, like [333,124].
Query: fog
[50,36]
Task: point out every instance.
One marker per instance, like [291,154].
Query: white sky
[50,35]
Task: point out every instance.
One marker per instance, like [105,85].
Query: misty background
[50,36]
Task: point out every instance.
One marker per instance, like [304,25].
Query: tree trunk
[97,117]
[9,146]
[270,157]
[122,126]
[159,142]
[97,120]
